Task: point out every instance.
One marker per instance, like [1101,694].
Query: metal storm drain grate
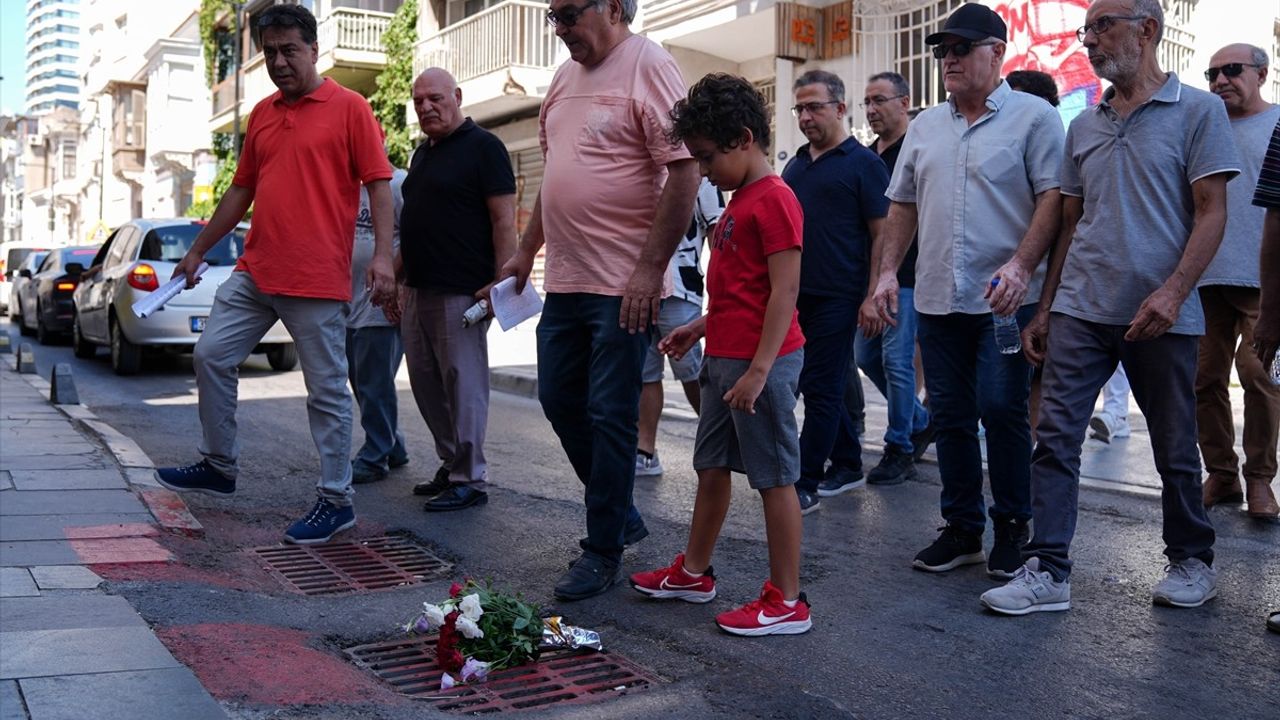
[559,678]
[370,564]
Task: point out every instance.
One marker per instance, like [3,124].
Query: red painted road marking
[171,511]
[266,665]
[120,550]
[118,530]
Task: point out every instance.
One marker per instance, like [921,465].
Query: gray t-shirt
[1135,178]
[975,189]
[361,312]
[1237,260]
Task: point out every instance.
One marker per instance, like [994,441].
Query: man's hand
[381,279]
[188,266]
[1155,316]
[869,321]
[742,396]
[483,294]
[394,310]
[1266,338]
[1007,295]
[1035,339]
[519,267]
[885,298]
[680,341]
[642,299]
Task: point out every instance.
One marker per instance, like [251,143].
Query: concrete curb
[168,508]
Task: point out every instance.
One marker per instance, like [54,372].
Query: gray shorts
[675,312]
[765,446]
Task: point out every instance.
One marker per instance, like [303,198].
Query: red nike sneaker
[767,615]
[673,583]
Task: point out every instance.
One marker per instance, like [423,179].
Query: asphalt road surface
[887,642]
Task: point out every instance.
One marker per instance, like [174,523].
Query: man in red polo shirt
[307,150]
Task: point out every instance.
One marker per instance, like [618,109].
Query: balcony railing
[224,95]
[511,34]
[352,29]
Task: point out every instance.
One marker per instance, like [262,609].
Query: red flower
[455,590]
[447,645]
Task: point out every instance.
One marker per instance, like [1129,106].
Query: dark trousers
[829,325]
[969,380]
[589,384]
[1162,371]
[373,359]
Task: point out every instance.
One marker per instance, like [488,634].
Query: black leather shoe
[589,576]
[362,474]
[436,485]
[457,497]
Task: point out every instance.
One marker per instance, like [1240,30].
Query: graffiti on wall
[1042,36]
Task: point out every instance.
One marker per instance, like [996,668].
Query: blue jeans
[1082,356]
[886,359]
[373,359]
[589,386]
[969,380]
[829,324]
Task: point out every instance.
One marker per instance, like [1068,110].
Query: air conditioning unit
[35,140]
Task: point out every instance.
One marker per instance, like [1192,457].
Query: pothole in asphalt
[340,567]
[572,677]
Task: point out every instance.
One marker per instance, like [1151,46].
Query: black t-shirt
[906,271]
[446,234]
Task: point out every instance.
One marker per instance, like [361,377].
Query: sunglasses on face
[570,14]
[1230,70]
[1103,24]
[959,49]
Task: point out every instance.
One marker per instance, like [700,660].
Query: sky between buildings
[13,24]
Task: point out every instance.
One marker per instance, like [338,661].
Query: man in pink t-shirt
[616,197]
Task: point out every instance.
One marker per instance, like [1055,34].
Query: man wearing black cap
[978,176]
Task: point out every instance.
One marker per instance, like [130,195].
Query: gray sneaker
[1186,584]
[649,466]
[1030,590]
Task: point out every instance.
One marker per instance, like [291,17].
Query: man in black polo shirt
[457,229]
[840,184]
[885,352]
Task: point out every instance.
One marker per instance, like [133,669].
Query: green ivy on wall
[395,83]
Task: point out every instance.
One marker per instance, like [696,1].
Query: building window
[68,159]
[130,107]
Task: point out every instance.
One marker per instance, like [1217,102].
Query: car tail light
[65,286]
[143,277]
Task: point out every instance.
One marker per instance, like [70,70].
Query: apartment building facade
[52,54]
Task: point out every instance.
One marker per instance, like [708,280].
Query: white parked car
[12,254]
[136,260]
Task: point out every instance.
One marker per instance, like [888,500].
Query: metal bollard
[26,359]
[6,346]
[62,388]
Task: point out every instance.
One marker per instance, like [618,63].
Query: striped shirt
[1268,193]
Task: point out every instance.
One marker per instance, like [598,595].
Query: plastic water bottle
[1275,369]
[1008,336]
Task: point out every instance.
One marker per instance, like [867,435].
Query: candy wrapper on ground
[557,635]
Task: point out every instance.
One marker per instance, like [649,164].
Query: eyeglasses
[570,14]
[960,49]
[1103,24]
[1230,70]
[878,101]
[812,108]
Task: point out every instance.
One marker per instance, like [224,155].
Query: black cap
[971,21]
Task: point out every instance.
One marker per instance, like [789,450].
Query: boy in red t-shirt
[754,355]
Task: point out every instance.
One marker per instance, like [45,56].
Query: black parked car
[47,308]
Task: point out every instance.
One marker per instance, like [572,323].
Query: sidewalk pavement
[74,494]
[1125,465]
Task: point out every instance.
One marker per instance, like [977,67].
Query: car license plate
[197,323]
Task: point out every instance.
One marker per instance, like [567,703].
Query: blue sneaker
[320,525]
[201,478]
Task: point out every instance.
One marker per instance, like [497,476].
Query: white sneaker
[1186,584]
[648,466]
[1106,426]
[1030,590]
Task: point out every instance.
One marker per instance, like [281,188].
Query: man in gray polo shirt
[979,176]
[1144,185]
[1229,293]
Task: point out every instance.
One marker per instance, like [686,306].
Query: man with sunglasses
[307,150]
[616,198]
[1144,185]
[978,175]
[840,185]
[1230,296]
